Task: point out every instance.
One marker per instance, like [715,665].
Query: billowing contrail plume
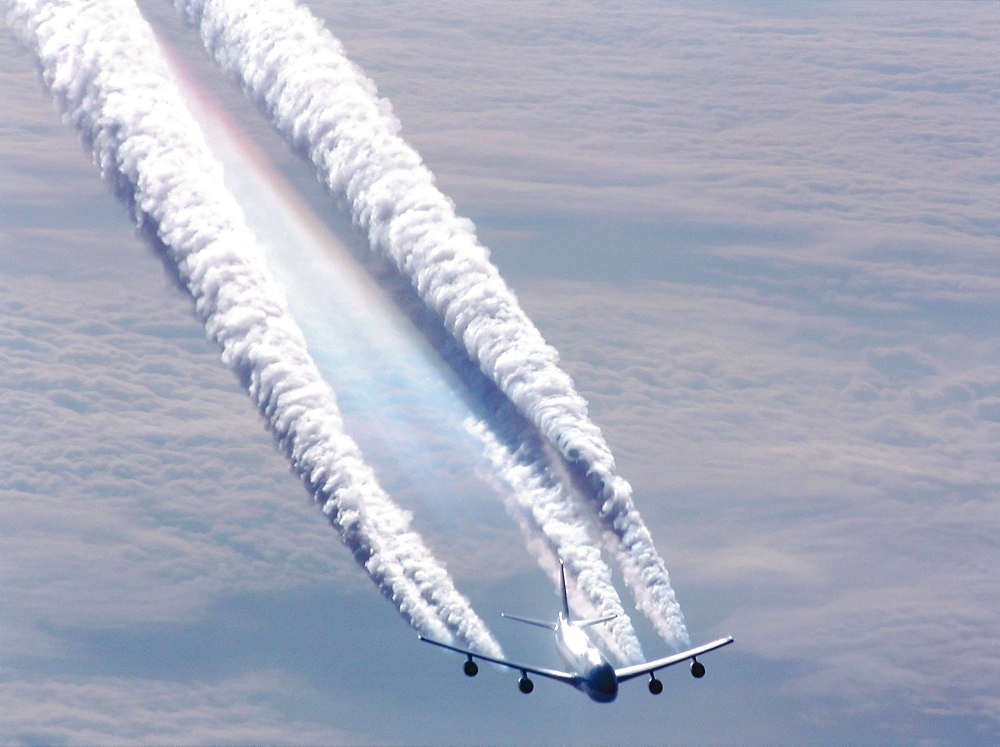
[101,61]
[553,530]
[288,62]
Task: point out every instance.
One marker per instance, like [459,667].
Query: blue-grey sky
[763,239]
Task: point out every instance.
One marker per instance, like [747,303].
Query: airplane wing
[627,673]
[569,679]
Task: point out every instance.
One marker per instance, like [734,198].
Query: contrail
[553,529]
[100,60]
[530,476]
[287,60]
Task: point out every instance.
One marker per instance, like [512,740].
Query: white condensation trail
[288,61]
[100,60]
[553,531]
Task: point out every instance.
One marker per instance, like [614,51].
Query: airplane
[590,671]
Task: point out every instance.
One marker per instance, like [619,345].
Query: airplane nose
[604,684]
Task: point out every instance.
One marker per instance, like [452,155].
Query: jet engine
[470,668]
[525,685]
[697,669]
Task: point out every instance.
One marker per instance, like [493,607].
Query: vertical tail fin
[565,594]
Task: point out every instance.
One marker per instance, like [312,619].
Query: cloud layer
[761,239]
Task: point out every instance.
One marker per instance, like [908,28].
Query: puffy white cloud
[133,462]
[102,710]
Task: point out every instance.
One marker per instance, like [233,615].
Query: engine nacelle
[470,668]
[525,685]
[655,686]
[697,669]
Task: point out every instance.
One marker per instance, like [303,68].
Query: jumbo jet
[590,671]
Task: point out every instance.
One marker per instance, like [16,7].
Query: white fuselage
[597,676]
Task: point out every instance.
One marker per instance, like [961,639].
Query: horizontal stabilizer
[536,623]
[594,621]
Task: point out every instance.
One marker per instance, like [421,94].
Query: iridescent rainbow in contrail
[361,341]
